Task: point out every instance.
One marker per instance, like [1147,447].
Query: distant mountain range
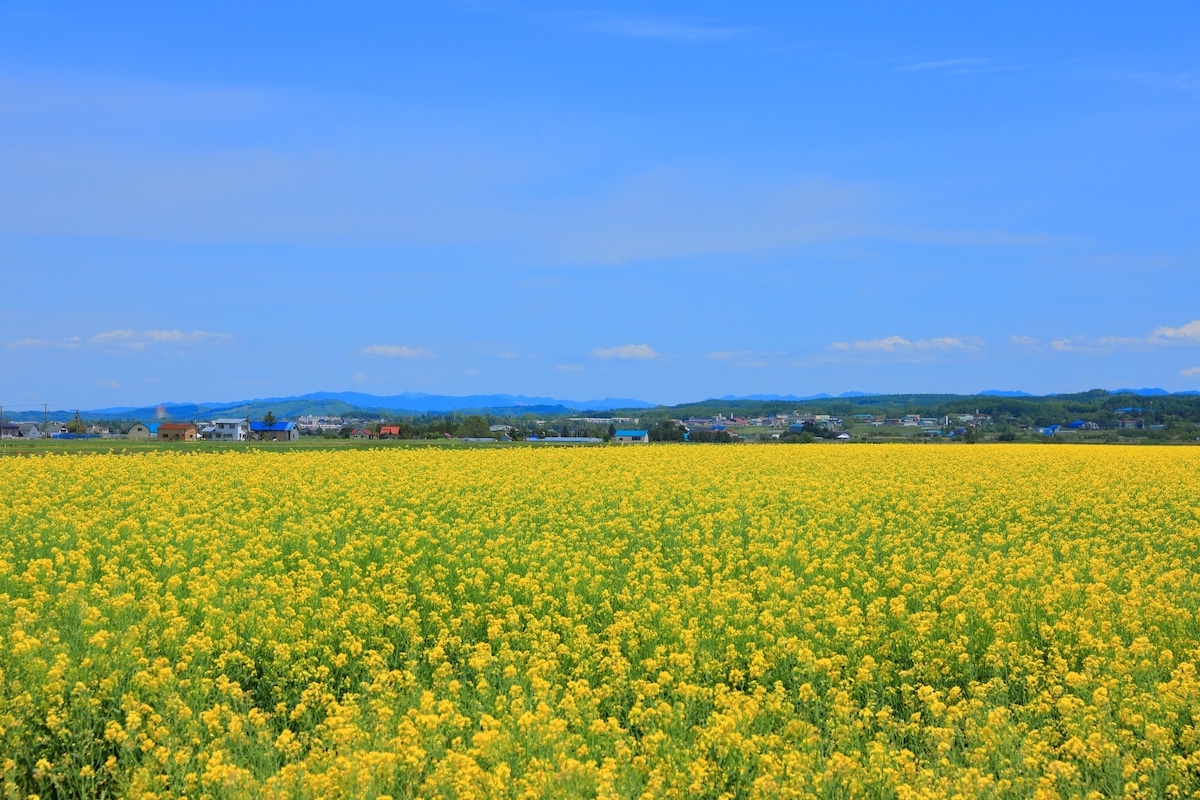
[791,398]
[345,403]
[349,404]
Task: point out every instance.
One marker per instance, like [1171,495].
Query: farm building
[142,430]
[388,431]
[624,437]
[276,431]
[176,432]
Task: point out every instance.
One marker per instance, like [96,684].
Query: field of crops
[664,621]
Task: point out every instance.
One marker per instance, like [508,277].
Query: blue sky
[215,201]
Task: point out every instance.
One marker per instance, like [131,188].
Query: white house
[622,437]
[230,430]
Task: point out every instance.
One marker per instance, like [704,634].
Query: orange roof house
[176,432]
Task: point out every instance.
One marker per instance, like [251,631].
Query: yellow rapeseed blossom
[671,621]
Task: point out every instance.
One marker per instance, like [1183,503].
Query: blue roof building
[278,432]
[623,437]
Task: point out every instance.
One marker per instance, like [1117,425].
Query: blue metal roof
[283,427]
[631,433]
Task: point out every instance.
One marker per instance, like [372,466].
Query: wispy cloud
[106,384]
[1103,344]
[123,340]
[1190,372]
[669,29]
[396,351]
[898,344]
[1163,336]
[139,340]
[742,358]
[1025,341]
[1184,334]
[945,64]
[627,351]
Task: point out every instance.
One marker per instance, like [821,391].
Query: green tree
[268,419]
[474,427]
[666,431]
[76,425]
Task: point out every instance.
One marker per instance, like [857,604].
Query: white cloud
[730,355]
[396,351]
[138,340]
[628,351]
[123,340]
[568,367]
[898,344]
[36,344]
[106,384]
[1184,334]
[1028,341]
[1190,372]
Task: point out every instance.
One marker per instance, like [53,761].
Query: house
[142,430]
[29,430]
[623,436]
[9,430]
[276,431]
[51,428]
[363,433]
[389,431]
[843,437]
[230,429]
[176,432]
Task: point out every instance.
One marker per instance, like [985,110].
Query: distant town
[1096,416]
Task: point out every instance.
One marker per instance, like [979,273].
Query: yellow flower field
[665,621]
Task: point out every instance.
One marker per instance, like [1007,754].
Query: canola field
[662,621]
